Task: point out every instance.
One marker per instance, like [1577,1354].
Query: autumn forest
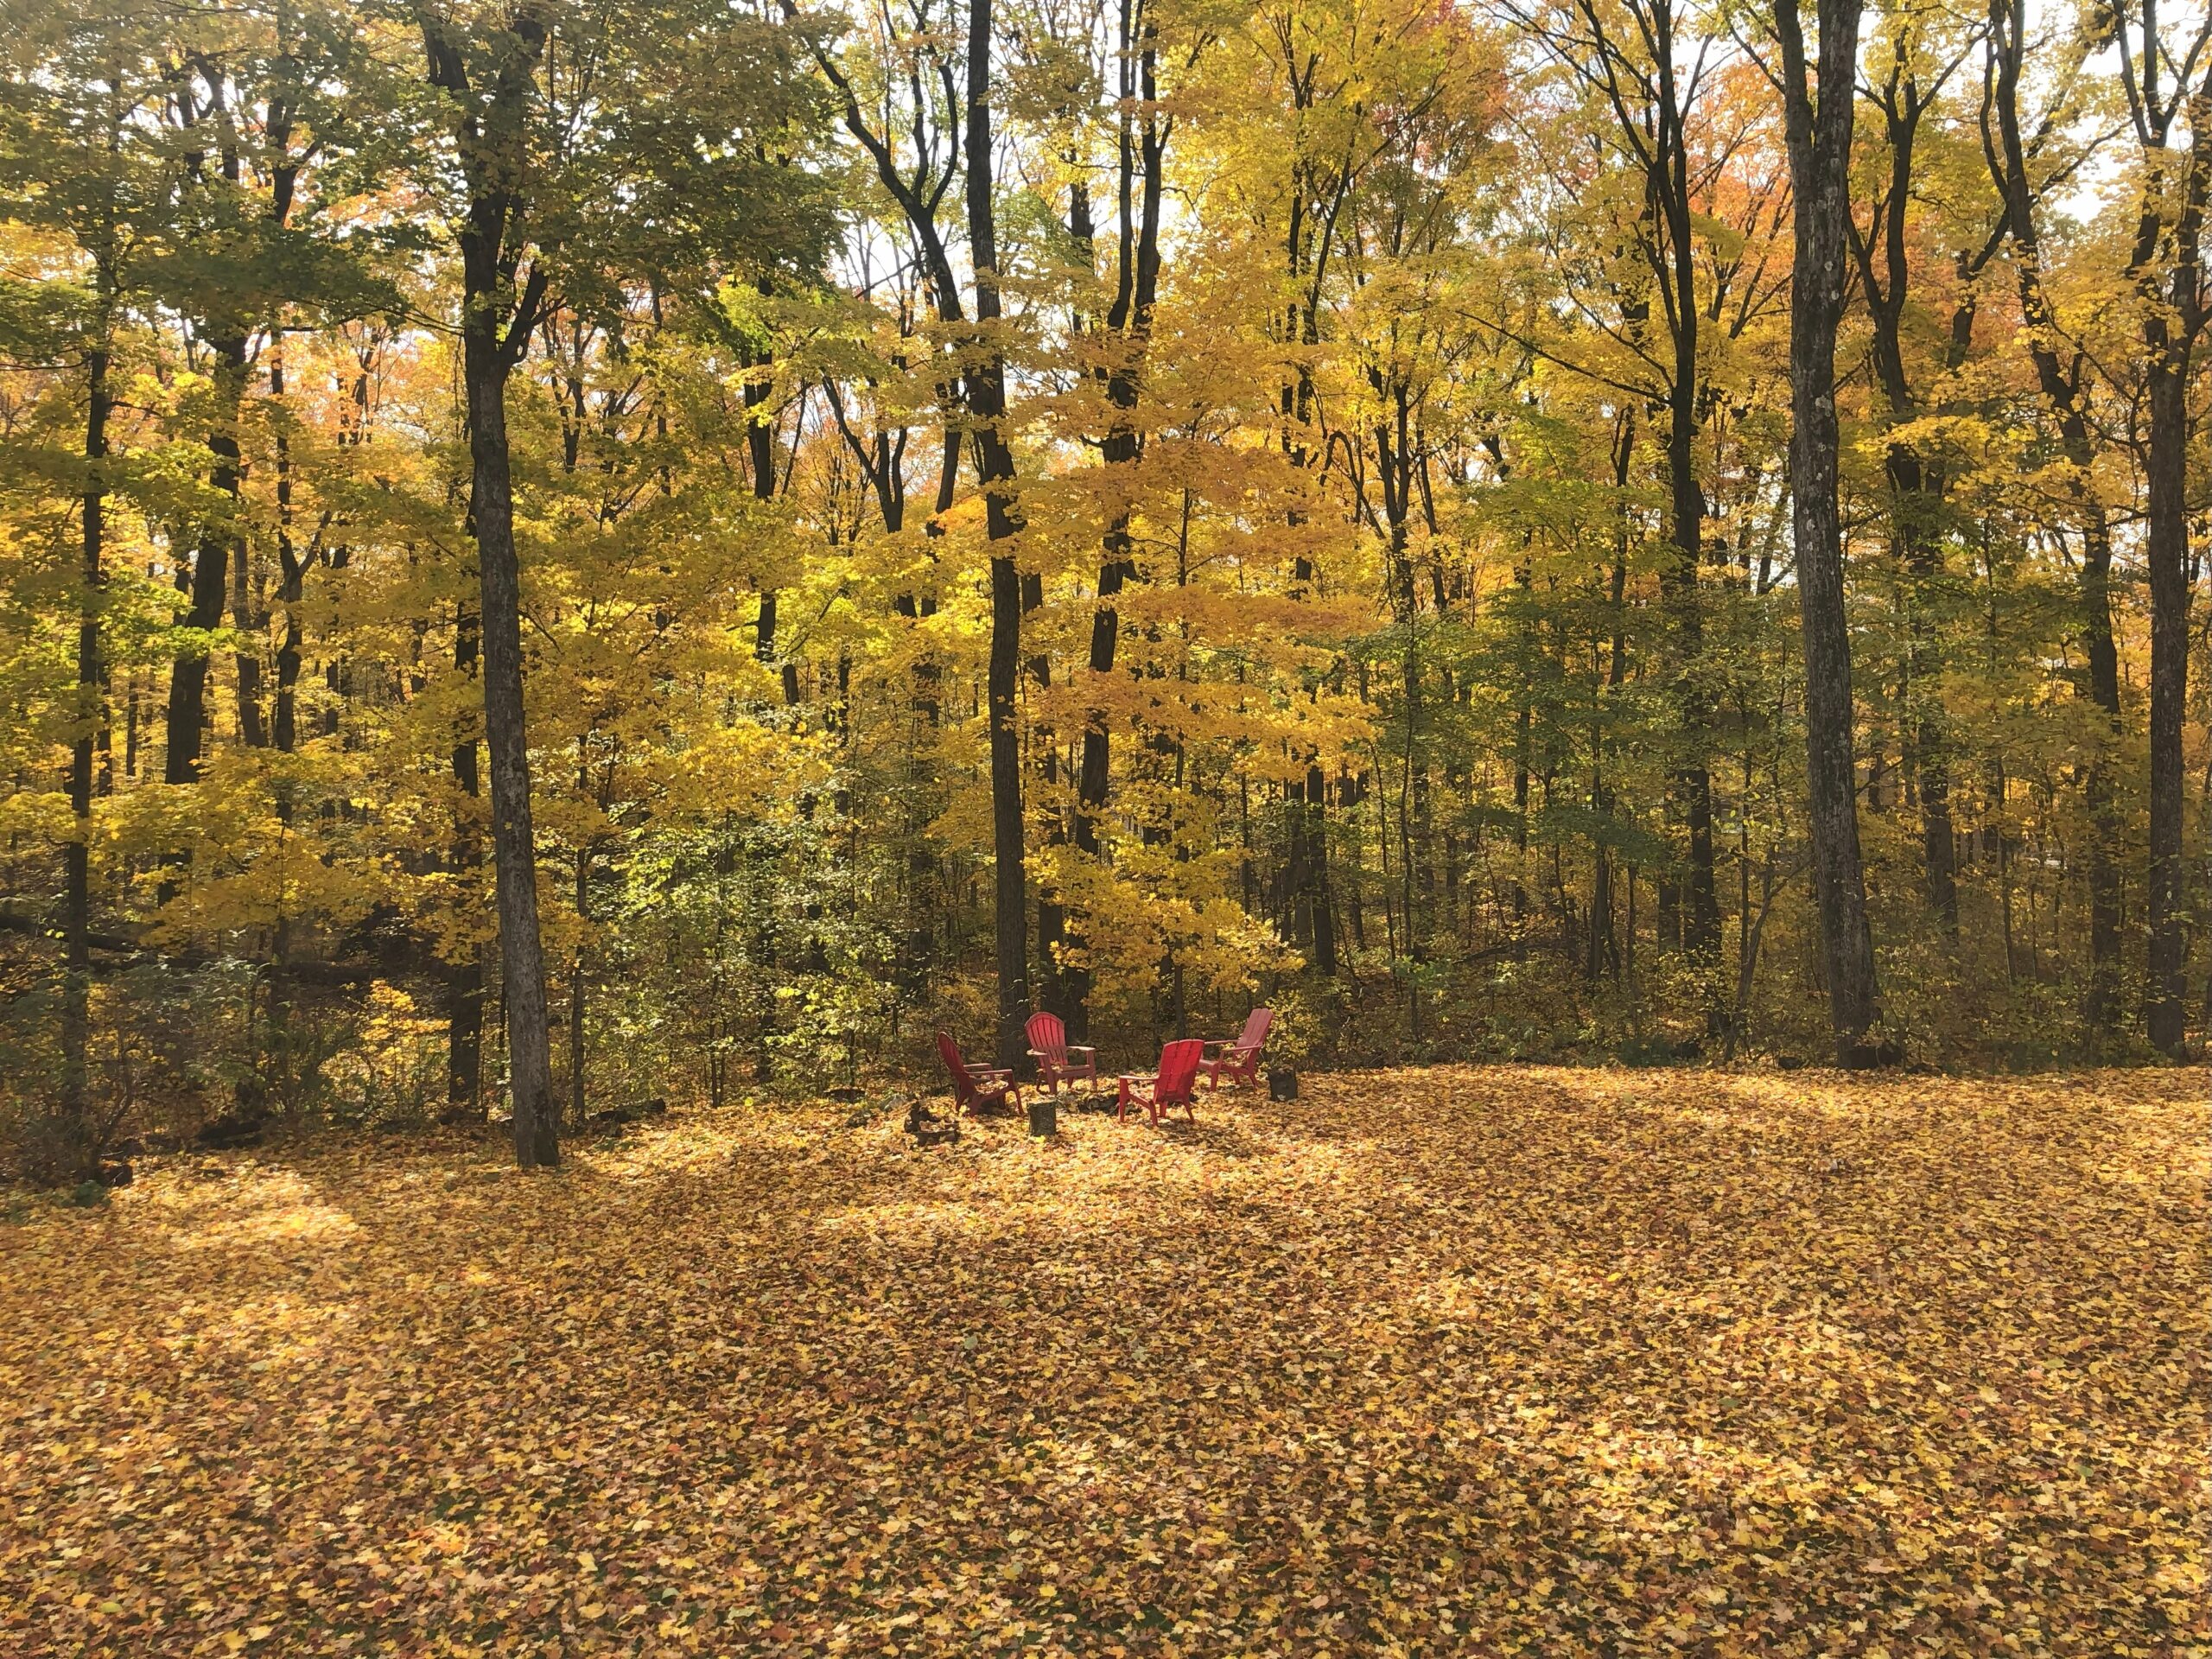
[553,554]
[619,618]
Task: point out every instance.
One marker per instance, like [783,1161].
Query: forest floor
[1458,1361]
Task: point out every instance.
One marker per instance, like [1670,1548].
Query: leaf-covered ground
[1454,1361]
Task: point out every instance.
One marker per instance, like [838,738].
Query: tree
[1148,507]
[2166,269]
[491,78]
[1916,60]
[986,383]
[79,157]
[1648,77]
[2066,390]
[549,112]
[1820,101]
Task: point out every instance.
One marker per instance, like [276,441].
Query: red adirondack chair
[1172,1085]
[975,1085]
[1238,1061]
[1048,1047]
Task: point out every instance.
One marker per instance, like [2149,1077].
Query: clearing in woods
[1453,1360]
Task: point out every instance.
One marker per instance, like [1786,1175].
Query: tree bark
[291,581]
[577,1103]
[2063,393]
[1916,485]
[490,127]
[1818,117]
[465,985]
[211,563]
[760,453]
[1700,917]
[2175,313]
[506,742]
[71,1144]
[1128,321]
[986,383]
[1693,782]
[2167,550]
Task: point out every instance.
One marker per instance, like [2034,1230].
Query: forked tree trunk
[1916,484]
[2064,394]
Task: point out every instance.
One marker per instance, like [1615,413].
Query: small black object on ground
[615,1119]
[929,1128]
[1282,1082]
[1043,1116]
[234,1129]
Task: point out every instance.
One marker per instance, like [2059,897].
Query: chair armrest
[995,1073]
[1138,1076]
[1219,1042]
[1083,1048]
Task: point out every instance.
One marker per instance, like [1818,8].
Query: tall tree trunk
[465,981]
[576,993]
[522,960]
[985,384]
[1819,124]
[2175,313]
[491,126]
[1921,545]
[246,660]
[2168,549]
[1701,919]
[211,563]
[1605,949]
[72,1149]
[291,579]
[1524,731]
[760,450]
[2064,394]
[1127,323]
[1700,907]
[1314,811]
[2102,1003]
[1054,986]
[1916,486]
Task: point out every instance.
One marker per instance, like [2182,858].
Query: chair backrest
[963,1086]
[1256,1028]
[1049,1036]
[1178,1070]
